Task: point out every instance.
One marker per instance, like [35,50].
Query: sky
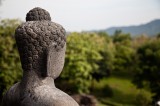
[83,15]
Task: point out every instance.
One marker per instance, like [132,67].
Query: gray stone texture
[41,45]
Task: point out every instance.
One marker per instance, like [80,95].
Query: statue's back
[41,45]
[11,98]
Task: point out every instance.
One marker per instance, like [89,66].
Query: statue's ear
[55,61]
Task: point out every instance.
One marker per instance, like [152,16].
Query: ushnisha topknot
[38,14]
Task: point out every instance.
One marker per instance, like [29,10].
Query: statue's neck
[31,80]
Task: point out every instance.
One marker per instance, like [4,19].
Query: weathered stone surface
[41,45]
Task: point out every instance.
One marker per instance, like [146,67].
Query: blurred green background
[119,70]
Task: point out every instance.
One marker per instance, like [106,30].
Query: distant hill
[152,28]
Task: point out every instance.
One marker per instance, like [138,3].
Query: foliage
[121,37]
[10,68]
[123,92]
[158,35]
[106,65]
[148,66]
[143,99]
[90,57]
[124,53]
[82,57]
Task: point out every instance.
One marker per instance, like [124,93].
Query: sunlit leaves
[82,57]
[10,68]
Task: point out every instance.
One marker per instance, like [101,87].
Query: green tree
[108,53]
[82,59]
[120,37]
[124,53]
[148,56]
[158,35]
[10,68]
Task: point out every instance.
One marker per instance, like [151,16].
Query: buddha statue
[41,44]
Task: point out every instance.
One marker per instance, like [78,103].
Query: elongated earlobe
[55,60]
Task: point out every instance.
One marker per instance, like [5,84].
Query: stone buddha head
[41,44]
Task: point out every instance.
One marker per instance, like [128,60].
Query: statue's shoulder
[49,96]
[11,96]
[63,99]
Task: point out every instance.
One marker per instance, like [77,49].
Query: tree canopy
[89,57]
[10,67]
